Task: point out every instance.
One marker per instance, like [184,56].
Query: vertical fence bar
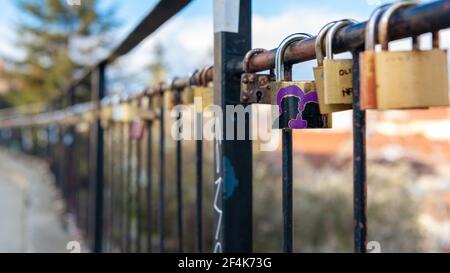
[179,189]
[287,190]
[233,158]
[98,141]
[129,206]
[199,178]
[123,183]
[161,175]
[118,180]
[149,228]
[107,189]
[359,164]
[111,179]
[138,195]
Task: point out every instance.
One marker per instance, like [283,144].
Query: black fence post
[179,170]
[359,164]
[98,85]
[162,165]
[233,158]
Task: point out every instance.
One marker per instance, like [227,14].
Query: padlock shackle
[320,52]
[371,27]
[383,25]
[279,55]
[248,57]
[332,32]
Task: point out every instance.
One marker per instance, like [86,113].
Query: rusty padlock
[368,96]
[255,88]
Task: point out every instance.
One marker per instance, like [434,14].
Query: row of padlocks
[415,79]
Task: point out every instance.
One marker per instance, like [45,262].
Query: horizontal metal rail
[403,24]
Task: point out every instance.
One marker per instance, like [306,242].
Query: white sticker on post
[226,16]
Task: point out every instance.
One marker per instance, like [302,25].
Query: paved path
[30,210]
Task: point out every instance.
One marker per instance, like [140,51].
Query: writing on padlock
[319,75]
[297,101]
[338,73]
[255,88]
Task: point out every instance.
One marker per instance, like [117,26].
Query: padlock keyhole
[259,95]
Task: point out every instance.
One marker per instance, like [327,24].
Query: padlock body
[338,81]
[207,96]
[256,88]
[137,129]
[411,79]
[122,113]
[368,95]
[326,108]
[106,113]
[188,95]
[298,106]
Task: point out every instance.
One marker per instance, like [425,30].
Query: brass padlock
[368,99]
[123,111]
[203,92]
[297,101]
[145,112]
[338,73]
[319,76]
[105,111]
[188,95]
[255,88]
[409,79]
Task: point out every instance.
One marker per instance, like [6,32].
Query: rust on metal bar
[405,23]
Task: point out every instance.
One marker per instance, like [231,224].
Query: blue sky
[191,32]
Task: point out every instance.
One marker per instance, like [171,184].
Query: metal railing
[99,149]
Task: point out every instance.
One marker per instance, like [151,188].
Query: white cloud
[7,47]
[189,41]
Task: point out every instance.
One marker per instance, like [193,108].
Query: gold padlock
[338,73]
[409,79]
[144,112]
[105,111]
[123,112]
[296,101]
[319,76]
[188,95]
[203,93]
[368,98]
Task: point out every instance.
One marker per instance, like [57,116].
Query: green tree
[157,68]
[51,57]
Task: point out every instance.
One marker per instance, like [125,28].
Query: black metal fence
[101,151]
